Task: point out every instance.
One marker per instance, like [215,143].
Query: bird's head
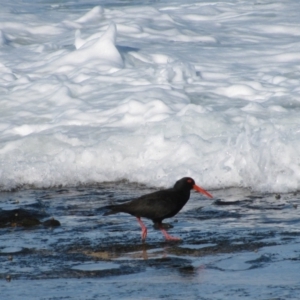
[187,183]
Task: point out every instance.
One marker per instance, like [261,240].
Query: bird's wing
[153,206]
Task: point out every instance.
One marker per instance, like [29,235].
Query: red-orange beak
[201,190]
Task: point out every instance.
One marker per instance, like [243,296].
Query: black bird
[159,205]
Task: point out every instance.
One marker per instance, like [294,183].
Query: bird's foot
[144,234]
[169,237]
[144,229]
[173,238]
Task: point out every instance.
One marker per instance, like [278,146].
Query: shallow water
[241,245]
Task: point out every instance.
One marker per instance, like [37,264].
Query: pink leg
[167,236]
[144,229]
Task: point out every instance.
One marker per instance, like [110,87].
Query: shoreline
[223,242]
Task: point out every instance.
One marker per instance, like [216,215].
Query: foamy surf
[150,94]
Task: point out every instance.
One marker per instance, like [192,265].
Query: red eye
[189,181]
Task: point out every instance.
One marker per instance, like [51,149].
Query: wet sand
[241,245]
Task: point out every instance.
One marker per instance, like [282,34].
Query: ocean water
[102,101]
[150,91]
[246,248]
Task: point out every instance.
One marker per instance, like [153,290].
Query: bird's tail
[110,210]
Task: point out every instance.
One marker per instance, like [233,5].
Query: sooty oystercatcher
[159,205]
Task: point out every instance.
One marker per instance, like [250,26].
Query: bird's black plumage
[159,205]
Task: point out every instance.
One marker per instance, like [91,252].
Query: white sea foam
[150,93]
